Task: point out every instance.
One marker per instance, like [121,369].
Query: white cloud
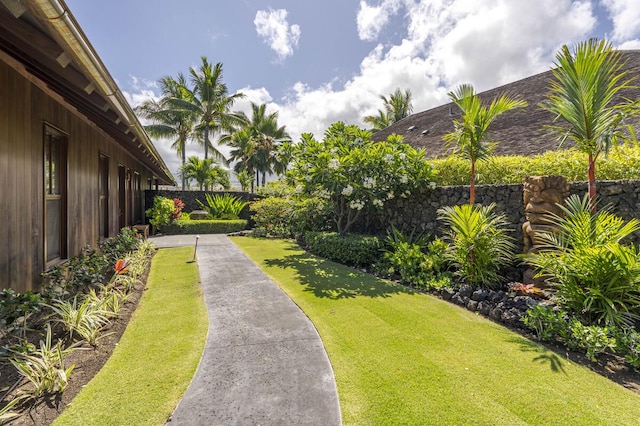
[447,42]
[625,15]
[372,19]
[275,31]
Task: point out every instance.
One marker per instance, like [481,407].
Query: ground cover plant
[402,357]
[159,351]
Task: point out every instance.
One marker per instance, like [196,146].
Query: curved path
[263,362]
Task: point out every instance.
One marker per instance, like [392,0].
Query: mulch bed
[88,361]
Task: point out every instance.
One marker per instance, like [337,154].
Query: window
[55,188]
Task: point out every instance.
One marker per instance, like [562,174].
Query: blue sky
[317,62]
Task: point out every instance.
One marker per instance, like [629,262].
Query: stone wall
[419,211]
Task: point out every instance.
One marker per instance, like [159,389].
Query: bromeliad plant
[478,243]
[597,277]
[354,173]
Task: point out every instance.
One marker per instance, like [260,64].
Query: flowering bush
[354,173]
[162,211]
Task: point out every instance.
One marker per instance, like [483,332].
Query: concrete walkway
[263,362]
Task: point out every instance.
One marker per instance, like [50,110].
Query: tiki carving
[542,194]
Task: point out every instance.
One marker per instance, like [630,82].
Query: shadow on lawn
[545,355]
[326,279]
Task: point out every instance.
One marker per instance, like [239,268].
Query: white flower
[308,178]
[323,193]
[299,189]
[356,204]
[334,150]
[404,179]
[390,195]
[402,155]
[347,191]
[334,164]
[377,202]
[369,182]
[432,185]
[388,158]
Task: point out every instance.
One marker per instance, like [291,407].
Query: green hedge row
[350,249]
[204,227]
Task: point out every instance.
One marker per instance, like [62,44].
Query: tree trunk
[472,187]
[592,183]
[183,163]
[206,149]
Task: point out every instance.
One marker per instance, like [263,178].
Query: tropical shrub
[223,206]
[353,173]
[290,217]
[478,243]
[162,211]
[417,261]
[119,246]
[350,249]
[85,318]
[596,276]
[18,306]
[206,226]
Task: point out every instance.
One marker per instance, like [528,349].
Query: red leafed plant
[528,289]
[178,205]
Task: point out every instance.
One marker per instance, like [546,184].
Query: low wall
[419,211]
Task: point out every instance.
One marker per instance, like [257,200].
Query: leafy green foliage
[205,226]
[18,305]
[223,206]
[596,276]
[85,318]
[290,217]
[354,173]
[44,368]
[478,243]
[622,162]
[350,249]
[119,246]
[417,261]
[162,211]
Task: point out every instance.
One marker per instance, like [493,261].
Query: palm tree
[169,120]
[470,133]
[244,179]
[211,104]
[397,107]
[205,172]
[256,145]
[585,83]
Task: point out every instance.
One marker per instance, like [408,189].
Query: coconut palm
[243,149]
[582,91]
[397,107]
[169,120]
[470,133]
[205,172]
[211,104]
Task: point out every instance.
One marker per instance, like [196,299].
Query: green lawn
[158,354]
[404,358]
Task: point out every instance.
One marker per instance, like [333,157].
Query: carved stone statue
[542,194]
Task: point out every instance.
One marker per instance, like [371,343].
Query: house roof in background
[518,132]
[44,37]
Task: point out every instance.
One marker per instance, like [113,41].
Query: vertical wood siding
[24,110]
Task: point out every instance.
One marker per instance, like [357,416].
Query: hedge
[350,249]
[205,227]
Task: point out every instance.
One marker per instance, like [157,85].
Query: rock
[198,214]
[479,295]
[484,308]
[496,314]
[472,305]
[446,294]
[465,291]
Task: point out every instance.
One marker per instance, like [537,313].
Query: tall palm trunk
[472,184]
[184,160]
[592,182]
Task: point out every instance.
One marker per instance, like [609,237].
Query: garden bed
[181,227]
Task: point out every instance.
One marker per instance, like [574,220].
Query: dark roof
[518,132]
[46,40]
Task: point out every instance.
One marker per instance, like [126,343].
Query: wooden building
[74,159]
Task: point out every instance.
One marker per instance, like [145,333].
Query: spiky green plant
[223,206]
[44,368]
[478,243]
[596,276]
[86,318]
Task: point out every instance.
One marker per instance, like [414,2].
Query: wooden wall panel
[24,110]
